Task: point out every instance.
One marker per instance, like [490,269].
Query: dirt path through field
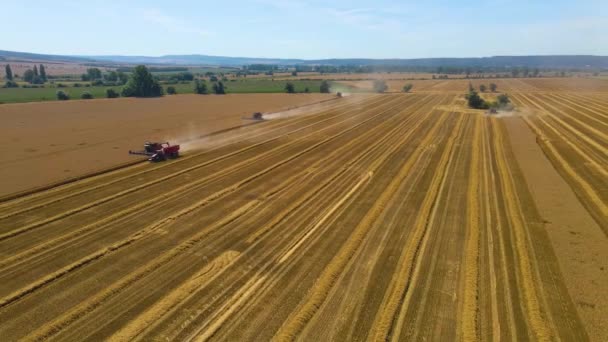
[579,243]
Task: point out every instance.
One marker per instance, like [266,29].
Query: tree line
[32,76]
[141,83]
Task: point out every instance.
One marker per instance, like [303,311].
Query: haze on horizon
[308,29]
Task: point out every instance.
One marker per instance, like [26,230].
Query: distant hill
[581,61]
[554,61]
[198,60]
[26,56]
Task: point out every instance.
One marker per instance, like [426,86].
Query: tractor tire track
[92,257]
[536,317]
[388,322]
[300,317]
[158,180]
[168,196]
[281,125]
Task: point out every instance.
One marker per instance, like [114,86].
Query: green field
[270,86]
[48,93]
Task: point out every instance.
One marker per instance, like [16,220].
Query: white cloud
[171,23]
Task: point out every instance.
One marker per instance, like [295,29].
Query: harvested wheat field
[382,217]
[58,140]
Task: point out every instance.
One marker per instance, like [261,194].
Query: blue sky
[307,28]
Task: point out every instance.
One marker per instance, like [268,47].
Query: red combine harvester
[158,151]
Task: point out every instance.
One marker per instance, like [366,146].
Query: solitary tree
[61,95]
[171,90]
[493,87]
[219,88]
[290,88]
[482,88]
[36,71]
[380,86]
[9,72]
[86,95]
[471,88]
[294,73]
[43,73]
[200,87]
[142,84]
[28,75]
[324,87]
[407,87]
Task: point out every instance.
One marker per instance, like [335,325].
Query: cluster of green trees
[142,84]
[64,96]
[98,78]
[92,74]
[116,77]
[324,88]
[483,88]
[184,76]
[34,76]
[407,87]
[219,88]
[477,102]
[200,87]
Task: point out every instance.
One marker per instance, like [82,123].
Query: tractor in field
[257,116]
[158,151]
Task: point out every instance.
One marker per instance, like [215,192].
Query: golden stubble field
[397,216]
[52,141]
[511,85]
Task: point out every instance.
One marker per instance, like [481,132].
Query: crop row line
[536,319]
[281,125]
[389,320]
[317,295]
[295,206]
[157,262]
[146,185]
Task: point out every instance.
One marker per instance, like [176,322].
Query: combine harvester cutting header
[158,151]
